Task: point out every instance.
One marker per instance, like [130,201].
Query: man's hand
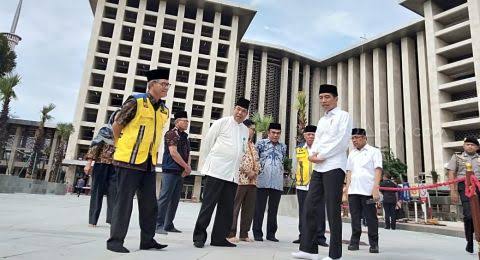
[345,197]
[88,168]
[376,194]
[454,197]
[314,159]
[187,170]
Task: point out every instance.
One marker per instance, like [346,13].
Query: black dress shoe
[258,239]
[296,241]
[273,239]
[198,244]
[223,244]
[322,243]
[152,245]
[353,247]
[173,230]
[118,249]
[469,247]
[373,249]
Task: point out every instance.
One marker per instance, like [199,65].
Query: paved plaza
[55,227]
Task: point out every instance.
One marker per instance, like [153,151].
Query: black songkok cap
[310,129]
[242,102]
[160,73]
[359,131]
[327,88]
[275,126]
[180,114]
[471,140]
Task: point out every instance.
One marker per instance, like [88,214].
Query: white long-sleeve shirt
[331,140]
[223,148]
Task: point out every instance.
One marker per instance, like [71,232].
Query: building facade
[413,89]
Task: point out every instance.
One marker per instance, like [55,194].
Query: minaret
[13,39]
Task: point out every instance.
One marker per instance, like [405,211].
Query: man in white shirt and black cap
[224,146]
[330,158]
[364,170]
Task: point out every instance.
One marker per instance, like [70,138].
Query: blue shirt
[271,164]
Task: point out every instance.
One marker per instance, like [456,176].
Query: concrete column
[52,155]
[413,149]
[423,85]
[342,85]
[231,68]
[353,90]
[306,90]
[380,104]
[197,189]
[294,112]
[366,96]
[282,115]
[332,75]
[263,83]
[16,140]
[315,102]
[248,79]
[394,96]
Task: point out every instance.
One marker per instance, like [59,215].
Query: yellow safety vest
[304,167]
[141,136]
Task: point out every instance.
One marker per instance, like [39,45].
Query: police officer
[456,168]
[137,131]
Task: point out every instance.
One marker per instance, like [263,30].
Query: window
[203,64]
[194,162]
[199,94]
[226,19]
[165,57]
[106,30]
[93,97]
[207,31]
[217,113]
[142,69]
[121,66]
[180,92]
[119,83]
[108,115]
[100,63]
[221,67]
[152,5]
[186,44]
[184,60]
[195,144]
[220,82]
[205,47]
[218,97]
[103,47]
[81,151]
[188,28]
[110,12]
[190,12]
[130,17]
[182,76]
[177,107]
[86,133]
[150,20]
[172,8]
[208,14]
[145,54]
[222,51]
[167,40]
[140,86]
[113,1]
[201,79]
[196,127]
[96,80]
[133,3]
[169,24]
[224,35]
[116,100]
[90,115]
[124,50]
[197,111]
[127,33]
[148,37]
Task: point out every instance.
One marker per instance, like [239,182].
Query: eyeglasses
[163,84]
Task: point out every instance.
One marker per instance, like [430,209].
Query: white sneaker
[328,258]
[305,255]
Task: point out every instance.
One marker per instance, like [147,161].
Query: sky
[55,36]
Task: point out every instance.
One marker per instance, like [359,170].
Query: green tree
[64,132]
[393,165]
[262,123]
[7,94]
[39,143]
[7,57]
[301,106]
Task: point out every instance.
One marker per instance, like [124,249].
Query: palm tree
[301,106]
[7,57]
[7,94]
[262,123]
[39,141]
[64,132]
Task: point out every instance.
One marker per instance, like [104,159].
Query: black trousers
[104,181]
[326,186]
[273,197]
[221,194]
[358,204]
[301,196]
[390,215]
[129,182]
[467,212]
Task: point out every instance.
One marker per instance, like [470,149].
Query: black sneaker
[322,243]
[198,244]
[374,249]
[273,239]
[152,245]
[469,247]
[296,241]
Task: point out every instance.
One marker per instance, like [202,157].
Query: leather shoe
[297,241]
[469,247]
[258,239]
[198,244]
[374,249]
[224,243]
[322,243]
[173,230]
[118,249]
[273,239]
[152,245]
[353,247]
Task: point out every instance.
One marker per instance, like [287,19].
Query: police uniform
[135,157]
[457,164]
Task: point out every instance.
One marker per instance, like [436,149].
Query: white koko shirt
[362,164]
[223,148]
[331,140]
